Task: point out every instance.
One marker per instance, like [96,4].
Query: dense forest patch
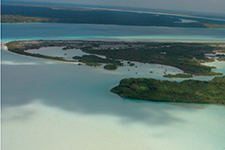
[188,91]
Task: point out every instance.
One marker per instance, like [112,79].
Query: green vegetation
[188,91]
[221,51]
[207,60]
[20,49]
[92,64]
[179,75]
[130,64]
[213,25]
[22,19]
[12,13]
[221,59]
[185,56]
[93,60]
[110,67]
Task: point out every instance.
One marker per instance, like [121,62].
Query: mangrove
[187,91]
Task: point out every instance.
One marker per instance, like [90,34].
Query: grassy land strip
[211,25]
[110,67]
[179,75]
[188,91]
[93,60]
[23,19]
[19,48]
[92,16]
[185,56]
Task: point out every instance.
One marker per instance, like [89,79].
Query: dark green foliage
[93,64]
[93,60]
[185,56]
[188,91]
[20,50]
[22,19]
[91,16]
[179,75]
[130,64]
[110,67]
[96,59]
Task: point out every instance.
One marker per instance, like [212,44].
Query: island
[92,60]
[185,56]
[187,91]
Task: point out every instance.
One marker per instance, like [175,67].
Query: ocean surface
[57,105]
[108,32]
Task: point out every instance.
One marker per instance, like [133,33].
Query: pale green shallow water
[54,105]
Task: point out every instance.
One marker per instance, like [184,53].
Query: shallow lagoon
[21,31]
[57,105]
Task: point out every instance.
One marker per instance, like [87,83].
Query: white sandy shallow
[5,48]
[35,126]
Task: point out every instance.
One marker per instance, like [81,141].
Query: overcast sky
[217,6]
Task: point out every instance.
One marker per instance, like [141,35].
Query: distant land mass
[29,13]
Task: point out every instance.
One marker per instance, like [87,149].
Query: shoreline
[20,47]
[5,48]
[187,91]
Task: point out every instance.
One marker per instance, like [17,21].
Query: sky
[216,6]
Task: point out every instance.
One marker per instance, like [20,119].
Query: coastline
[5,48]
[187,91]
[20,47]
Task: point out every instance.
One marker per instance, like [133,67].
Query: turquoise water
[56,105]
[107,32]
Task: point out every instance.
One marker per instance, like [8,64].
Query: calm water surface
[56,105]
[108,32]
